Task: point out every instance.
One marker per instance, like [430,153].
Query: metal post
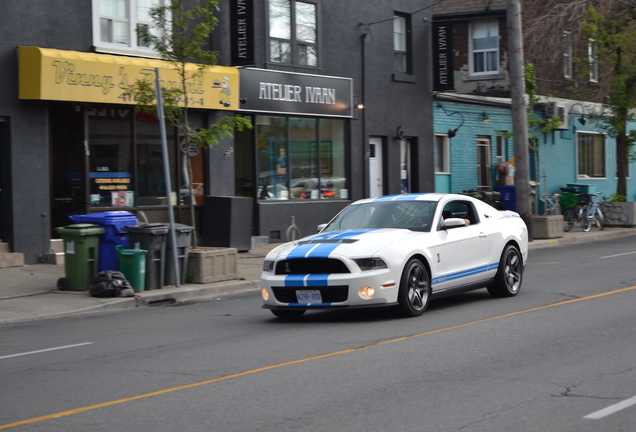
[166,173]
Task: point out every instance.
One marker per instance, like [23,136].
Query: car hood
[351,243]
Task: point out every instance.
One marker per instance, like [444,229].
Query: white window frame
[594,157]
[494,25]
[444,156]
[501,148]
[132,47]
[568,66]
[401,43]
[592,55]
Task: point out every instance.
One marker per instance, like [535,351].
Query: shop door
[484,176]
[375,168]
[4,179]
[67,164]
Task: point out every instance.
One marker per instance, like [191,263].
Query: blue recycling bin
[113,223]
[508,196]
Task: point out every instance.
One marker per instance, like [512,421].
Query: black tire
[510,274]
[415,289]
[62,284]
[288,313]
[569,219]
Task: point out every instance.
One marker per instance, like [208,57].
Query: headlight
[268,266]
[370,263]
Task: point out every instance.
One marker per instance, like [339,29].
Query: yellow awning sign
[52,74]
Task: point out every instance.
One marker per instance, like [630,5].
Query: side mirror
[321,227]
[453,223]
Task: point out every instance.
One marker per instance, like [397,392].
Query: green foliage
[180,33]
[536,125]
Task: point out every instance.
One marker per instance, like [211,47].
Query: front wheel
[510,274]
[569,219]
[415,289]
[598,219]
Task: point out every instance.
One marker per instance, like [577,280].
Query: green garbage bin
[81,252]
[132,263]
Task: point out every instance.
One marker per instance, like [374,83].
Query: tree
[612,28]
[180,35]
[603,34]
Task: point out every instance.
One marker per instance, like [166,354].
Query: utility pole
[519,115]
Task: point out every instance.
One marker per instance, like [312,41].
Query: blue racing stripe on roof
[401,197]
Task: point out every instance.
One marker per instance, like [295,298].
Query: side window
[293,32]
[460,209]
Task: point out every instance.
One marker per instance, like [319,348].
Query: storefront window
[151,184]
[110,159]
[301,158]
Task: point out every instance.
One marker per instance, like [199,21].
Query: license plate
[308,296]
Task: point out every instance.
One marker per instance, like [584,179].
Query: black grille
[330,294]
[310,266]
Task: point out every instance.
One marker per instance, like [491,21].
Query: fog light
[265,294]
[366,292]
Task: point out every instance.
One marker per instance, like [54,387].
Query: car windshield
[411,215]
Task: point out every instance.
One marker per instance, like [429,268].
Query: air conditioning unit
[555,109]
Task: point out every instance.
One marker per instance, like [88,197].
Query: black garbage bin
[183,241]
[151,237]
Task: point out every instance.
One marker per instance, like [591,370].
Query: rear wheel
[510,274]
[288,313]
[598,219]
[415,289]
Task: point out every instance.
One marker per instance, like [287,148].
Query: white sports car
[399,250]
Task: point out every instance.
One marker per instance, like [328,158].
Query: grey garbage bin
[151,237]
[183,241]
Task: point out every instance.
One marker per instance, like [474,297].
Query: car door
[462,253]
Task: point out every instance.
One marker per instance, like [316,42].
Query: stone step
[9,259]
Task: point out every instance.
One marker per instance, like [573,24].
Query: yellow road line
[280,365]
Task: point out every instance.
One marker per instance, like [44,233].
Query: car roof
[432,197]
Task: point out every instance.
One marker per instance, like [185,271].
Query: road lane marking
[617,255]
[611,409]
[45,350]
[295,362]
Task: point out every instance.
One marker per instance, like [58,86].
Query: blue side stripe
[465,273]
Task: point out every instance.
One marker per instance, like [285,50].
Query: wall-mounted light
[360,106]
[485,117]
[452,132]
[582,119]
[399,134]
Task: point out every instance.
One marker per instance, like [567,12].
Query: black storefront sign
[295,93]
[242,32]
[443,57]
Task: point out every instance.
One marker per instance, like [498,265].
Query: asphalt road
[558,357]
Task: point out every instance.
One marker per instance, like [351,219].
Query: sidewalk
[29,292]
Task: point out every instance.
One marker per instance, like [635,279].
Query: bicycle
[574,207]
[551,204]
[593,214]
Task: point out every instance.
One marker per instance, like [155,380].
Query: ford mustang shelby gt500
[399,250]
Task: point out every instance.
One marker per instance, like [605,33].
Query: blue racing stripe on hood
[322,250]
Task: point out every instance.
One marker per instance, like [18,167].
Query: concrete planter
[206,265]
[618,213]
[547,227]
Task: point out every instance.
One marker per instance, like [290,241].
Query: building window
[293,32]
[301,158]
[592,52]
[591,155]
[501,148]
[484,47]
[567,55]
[115,24]
[442,154]
[401,43]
